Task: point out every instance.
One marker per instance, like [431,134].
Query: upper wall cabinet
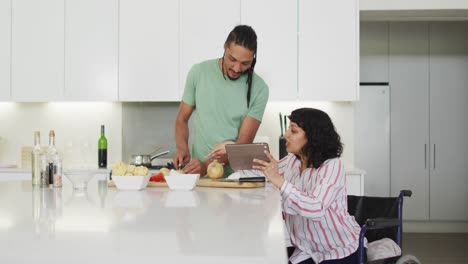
[37,50]
[149,50]
[5,40]
[91,53]
[277,44]
[328,50]
[374,52]
[204,27]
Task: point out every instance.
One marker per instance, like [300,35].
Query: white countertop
[105,225]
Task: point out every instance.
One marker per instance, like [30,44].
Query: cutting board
[209,183]
[223,184]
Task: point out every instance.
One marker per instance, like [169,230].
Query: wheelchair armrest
[378,223]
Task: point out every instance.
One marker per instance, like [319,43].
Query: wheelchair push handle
[407,193]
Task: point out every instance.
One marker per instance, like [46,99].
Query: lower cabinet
[355,182]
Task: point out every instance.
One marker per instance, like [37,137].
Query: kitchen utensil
[285,124]
[80,178]
[156,149]
[205,182]
[145,160]
[244,179]
[281,124]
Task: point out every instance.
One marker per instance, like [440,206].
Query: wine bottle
[36,159]
[102,150]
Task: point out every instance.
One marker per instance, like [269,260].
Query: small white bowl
[131,182]
[182,182]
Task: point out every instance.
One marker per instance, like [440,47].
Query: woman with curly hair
[312,181]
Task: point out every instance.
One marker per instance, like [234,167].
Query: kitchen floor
[437,248]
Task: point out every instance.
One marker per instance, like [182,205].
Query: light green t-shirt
[220,105]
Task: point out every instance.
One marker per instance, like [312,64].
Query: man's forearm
[181,135]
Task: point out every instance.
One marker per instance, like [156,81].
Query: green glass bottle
[102,150]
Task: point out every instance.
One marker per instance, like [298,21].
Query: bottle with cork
[36,159]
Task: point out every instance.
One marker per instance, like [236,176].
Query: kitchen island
[155,225]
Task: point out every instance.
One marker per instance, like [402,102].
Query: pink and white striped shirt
[316,211]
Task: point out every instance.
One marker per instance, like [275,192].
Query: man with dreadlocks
[227,99]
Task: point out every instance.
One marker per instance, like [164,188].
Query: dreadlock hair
[323,142]
[246,37]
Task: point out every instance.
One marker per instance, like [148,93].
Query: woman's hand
[270,169]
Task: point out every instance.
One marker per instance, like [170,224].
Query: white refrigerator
[372,137]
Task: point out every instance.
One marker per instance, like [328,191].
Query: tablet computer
[241,156]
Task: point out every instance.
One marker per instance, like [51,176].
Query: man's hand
[181,158]
[196,166]
[219,152]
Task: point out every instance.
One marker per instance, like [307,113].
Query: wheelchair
[380,217]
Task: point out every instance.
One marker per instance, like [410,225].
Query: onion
[215,170]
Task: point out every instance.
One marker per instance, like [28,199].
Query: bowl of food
[130,177]
[131,182]
[79,178]
[181,182]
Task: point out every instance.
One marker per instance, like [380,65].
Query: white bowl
[79,178]
[131,182]
[182,182]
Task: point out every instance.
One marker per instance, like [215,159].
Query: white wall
[76,125]
[412,4]
[341,114]
[77,128]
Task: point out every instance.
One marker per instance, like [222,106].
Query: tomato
[157,177]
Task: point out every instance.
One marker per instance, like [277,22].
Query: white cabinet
[91,50]
[328,50]
[448,112]
[428,66]
[277,44]
[5,48]
[204,27]
[373,52]
[355,182]
[409,136]
[149,50]
[37,50]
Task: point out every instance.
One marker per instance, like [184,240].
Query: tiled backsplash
[131,128]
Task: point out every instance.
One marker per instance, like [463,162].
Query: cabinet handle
[434,156]
[425,156]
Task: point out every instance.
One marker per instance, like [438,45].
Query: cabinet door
[448,121]
[91,50]
[5,49]
[409,111]
[277,44]
[37,50]
[149,50]
[328,50]
[204,31]
[374,52]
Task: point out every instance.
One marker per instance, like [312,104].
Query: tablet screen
[241,156]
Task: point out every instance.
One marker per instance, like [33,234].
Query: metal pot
[145,160]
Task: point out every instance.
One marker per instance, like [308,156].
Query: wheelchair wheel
[408,259]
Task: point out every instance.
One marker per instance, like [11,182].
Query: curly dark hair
[323,142]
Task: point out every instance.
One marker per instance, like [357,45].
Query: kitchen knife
[243,179]
[281,124]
